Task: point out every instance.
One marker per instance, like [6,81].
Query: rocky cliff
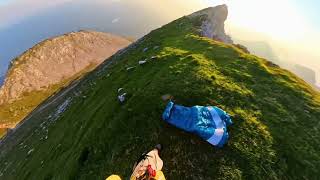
[56,59]
[212,24]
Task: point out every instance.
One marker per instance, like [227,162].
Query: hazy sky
[291,26]
[36,20]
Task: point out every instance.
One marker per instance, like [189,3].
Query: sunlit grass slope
[275,134]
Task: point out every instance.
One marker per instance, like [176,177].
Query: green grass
[275,134]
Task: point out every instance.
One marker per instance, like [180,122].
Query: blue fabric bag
[210,123]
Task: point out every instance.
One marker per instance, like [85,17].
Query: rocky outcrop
[57,59]
[213,23]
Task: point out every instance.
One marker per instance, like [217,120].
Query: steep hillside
[43,69]
[83,132]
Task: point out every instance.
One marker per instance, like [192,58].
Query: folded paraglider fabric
[210,123]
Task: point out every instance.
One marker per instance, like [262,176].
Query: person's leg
[152,158]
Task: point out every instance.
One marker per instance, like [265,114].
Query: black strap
[144,156]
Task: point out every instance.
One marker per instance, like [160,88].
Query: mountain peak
[49,66]
[57,59]
[221,10]
[212,25]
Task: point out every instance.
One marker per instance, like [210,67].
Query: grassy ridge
[274,136]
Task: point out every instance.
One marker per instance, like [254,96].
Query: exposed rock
[61,109]
[142,62]
[243,48]
[130,68]
[271,64]
[122,97]
[213,23]
[30,151]
[120,89]
[57,59]
[145,49]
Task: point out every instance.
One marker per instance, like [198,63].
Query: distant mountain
[260,48]
[49,66]
[84,132]
[305,73]
[263,49]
